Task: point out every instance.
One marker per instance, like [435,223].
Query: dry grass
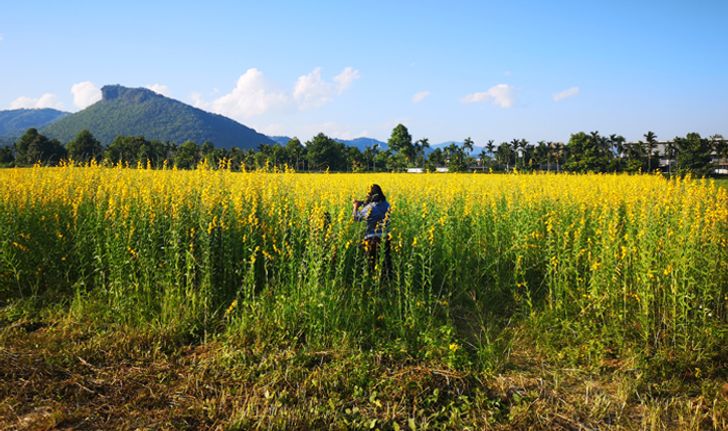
[66,376]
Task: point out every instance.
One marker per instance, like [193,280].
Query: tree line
[584,152]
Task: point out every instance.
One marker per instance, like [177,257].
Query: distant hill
[363,143]
[15,122]
[280,140]
[360,143]
[442,145]
[142,112]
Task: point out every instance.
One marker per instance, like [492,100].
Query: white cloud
[569,92]
[85,93]
[197,100]
[251,96]
[330,128]
[1,37]
[312,91]
[47,100]
[273,129]
[420,96]
[345,78]
[501,95]
[159,89]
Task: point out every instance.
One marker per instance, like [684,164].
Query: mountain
[363,143]
[280,140]
[142,112]
[360,143]
[15,122]
[442,145]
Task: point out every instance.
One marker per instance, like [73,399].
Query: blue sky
[447,70]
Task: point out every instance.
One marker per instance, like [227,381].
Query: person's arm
[361,212]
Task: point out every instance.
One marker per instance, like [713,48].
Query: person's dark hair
[375,194]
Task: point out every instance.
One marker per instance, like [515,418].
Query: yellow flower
[232,307]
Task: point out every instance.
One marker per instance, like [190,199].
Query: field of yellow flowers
[597,266]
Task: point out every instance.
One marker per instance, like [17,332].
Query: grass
[69,375]
[219,300]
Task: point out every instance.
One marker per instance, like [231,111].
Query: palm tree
[504,153]
[650,144]
[542,153]
[468,145]
[375,152]
[422,145]
[515,145]
[670,149]
[559,154]
[490,146]
[550,154]
[617,148]
[481,157]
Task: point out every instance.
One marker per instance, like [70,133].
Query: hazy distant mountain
[15,122]
[280,140]
[360,143]
[363,143]
[442,145]
[142,112]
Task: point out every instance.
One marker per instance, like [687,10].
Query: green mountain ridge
[142,112]
[15,122]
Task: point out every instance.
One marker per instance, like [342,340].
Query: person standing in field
[375,212]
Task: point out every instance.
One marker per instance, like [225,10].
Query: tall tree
[355,159]
[33,147]
[617,148]
[456,158]
[6,156]
[421,146]
[128,149]
[515,144]
[188,154]
[588,153]
[650,145]
[482,157]
[84,147]
[490,146]
[295,151]
[694,155]
[505,154]
[559,154]
[401,142]
[468,145]
[541,153]
[670,152]
[370,156]
[326,153]
[435,160]
[381,158]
